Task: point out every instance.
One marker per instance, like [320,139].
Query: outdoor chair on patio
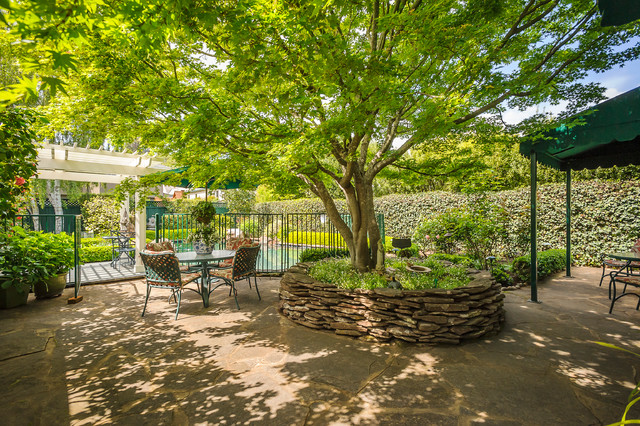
[122,249]
[616,265]
[627,280]
[243,267]
[162,270]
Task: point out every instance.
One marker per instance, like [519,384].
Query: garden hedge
[605,215]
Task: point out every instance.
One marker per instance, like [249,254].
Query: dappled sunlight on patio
[227,366]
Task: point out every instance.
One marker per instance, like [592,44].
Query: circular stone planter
[431,315]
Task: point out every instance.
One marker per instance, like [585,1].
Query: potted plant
[18,271]
[205,236]
[55,252]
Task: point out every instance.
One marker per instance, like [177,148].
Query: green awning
[610,136]
[618,12]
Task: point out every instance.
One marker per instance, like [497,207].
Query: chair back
[401,243]
[245,261]
[161,268]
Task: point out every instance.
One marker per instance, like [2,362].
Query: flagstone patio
[99,362]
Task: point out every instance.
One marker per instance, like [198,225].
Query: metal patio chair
[162,270]
[615,264]
[122,249]
[243,267]
[627,280]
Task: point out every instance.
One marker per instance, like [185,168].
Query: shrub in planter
[31,258]
[549,262]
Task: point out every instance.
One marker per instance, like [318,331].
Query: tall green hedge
[605,215]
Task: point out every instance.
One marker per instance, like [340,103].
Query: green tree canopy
[331,92]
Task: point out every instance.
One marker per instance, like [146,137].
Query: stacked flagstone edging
[431,315]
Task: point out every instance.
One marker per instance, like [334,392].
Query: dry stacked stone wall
[431,315]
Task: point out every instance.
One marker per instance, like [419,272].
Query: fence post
[77,237]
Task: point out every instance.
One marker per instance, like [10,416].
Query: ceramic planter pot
[202,248]
[11,297]
[51,287]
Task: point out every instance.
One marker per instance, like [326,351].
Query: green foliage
[634,395]
[101,215]
[453,258]
[240,200]
[95,241]
[207,234]
[549,262]
[315,254]
[315,239]
[17,158]
[476,232]
[348,89]
[95,253]
[340,273]
[441,276]
[500,273]
[29,256]
[203,212]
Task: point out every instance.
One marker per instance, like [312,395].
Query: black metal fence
[282,237]
[52,223]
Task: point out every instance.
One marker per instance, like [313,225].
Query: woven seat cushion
[614,263]
[635,281]
[225,273]
[161,246]
[186,279]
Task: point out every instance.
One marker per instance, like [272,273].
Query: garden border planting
[429,316]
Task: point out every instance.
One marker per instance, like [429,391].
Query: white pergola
[100,166]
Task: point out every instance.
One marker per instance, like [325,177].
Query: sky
[617,81]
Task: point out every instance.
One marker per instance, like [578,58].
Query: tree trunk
[35,211]
[56,200]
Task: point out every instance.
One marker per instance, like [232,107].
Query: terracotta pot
[51,287]
[11,297]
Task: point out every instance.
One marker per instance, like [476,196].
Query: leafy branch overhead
[329,92]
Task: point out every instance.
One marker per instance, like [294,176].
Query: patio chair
[615,264]
[163,271]
[122,249]
[627,280]
[243,267]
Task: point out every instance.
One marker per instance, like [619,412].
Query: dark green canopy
[618,12]
[610,136]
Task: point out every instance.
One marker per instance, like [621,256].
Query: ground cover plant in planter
[432,301]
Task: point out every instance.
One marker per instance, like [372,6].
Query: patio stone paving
[99,362]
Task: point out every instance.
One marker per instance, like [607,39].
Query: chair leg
[614,298]
[146,300]
[235,293]
[602,277]
[255,280]
[179,298]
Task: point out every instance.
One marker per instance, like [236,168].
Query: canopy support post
[568,250]
[534,230]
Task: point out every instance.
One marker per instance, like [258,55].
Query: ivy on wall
[605,215]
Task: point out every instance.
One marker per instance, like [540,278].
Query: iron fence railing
[282,237]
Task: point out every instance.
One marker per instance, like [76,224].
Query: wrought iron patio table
[190,257]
